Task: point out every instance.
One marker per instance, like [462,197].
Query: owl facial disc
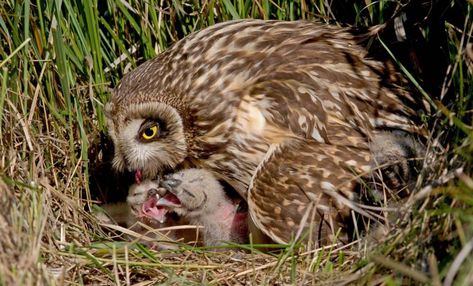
[148,138]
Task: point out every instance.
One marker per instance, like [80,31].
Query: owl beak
[138,177]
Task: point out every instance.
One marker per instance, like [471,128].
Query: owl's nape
[231,93]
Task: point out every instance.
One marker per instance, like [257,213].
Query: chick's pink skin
[239,230]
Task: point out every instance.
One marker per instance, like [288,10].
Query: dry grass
[58,61]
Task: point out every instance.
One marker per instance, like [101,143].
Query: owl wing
[324,95]
[304,185]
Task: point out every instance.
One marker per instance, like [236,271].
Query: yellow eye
[150,132]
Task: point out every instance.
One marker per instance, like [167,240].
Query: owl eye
[150,132]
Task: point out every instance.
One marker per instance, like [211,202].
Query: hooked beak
[170,184]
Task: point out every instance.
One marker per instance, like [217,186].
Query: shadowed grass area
[58,63]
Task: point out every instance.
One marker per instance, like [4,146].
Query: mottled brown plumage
[282,111]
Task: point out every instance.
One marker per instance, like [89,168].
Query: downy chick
[142,199]
[196,195]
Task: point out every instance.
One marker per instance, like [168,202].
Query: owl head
[148,137]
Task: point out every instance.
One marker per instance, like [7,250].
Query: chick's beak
[171,183]
[169,200]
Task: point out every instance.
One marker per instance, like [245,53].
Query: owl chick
[142,200]
[196,195]
[129,212]
[283,112]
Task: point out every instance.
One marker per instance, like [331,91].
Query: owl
[292,115]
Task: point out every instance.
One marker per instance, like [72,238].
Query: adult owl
[284,112]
